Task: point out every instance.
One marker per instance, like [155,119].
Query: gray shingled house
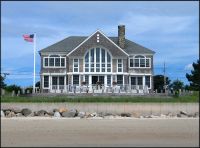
[96,63]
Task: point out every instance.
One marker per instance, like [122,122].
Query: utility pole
[164,78]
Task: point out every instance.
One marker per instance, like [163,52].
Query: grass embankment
[134,99]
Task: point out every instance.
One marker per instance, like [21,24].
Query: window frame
[133,58]
[76,67]
[54,65]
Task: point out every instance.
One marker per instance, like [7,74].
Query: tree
[10,88]
[194,77]
[176,85]
[159,82]
[37,84]
[3,85]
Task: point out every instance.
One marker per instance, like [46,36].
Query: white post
[34,49]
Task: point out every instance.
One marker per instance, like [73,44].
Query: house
[96,63]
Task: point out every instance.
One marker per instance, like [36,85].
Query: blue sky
[168,28]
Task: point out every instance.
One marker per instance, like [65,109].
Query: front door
[96,79]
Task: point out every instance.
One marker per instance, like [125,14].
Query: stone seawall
[153,108]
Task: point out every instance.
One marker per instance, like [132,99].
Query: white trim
[121,67]
[43,61]
[43,82]
[133,58]
[113,43]
[76,67]
[91,36]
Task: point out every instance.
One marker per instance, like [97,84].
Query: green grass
[134,99]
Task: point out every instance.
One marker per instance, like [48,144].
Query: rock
[41,113]
[125,114]
[57,114]
[26,112]
[183,112]
[178,115]
[71,113]
[16,110]
[7,112]
[163,116]
[136,115]
[196,115]
[93,114]
[81,114]
[55,110]
[190,115]
[61,110]
[11,114]
[50,113]
[2,114]
[19,115]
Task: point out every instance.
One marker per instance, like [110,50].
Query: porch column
[143,82]
[65,82]
[90,83]
[105,80]
[50,81]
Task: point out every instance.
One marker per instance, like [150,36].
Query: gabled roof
[71,42]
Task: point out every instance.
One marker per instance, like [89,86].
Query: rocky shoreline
[74,113]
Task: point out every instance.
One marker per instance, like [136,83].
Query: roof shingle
[69,43]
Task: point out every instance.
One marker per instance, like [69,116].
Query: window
[75,79]
[57,61]
[120,79]
[139,79]
[131,62]
[54,61]
[139,61]
[109,80]
[147,81]
[46,81]
[87,79]
[147,62]
[119,65]
[46,62]
[97,60]
[62,62]
[76,65]
[51,61]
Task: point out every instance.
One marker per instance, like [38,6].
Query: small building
[96,63]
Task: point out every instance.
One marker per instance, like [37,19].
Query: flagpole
[34,49]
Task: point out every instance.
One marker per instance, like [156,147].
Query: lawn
[134,99]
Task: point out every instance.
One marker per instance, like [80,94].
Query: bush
[10,88]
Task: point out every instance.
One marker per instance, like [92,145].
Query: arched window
[139,61]
[97,60]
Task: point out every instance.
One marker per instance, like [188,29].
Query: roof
[69,43]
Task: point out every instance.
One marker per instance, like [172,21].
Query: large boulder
[70,113]
[16,110]
[57,114]
[2,114]
[125,114]
[7,112]
[183,113]
[26,112]
[41,113]
[19,115]
[81,114]
[55,110]
[11,114]
[61,110]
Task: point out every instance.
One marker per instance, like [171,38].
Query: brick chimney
[121,36]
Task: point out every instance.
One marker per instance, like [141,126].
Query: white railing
[99,89]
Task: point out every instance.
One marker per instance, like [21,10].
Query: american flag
[28,38]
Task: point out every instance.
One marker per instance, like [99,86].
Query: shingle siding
[103,42]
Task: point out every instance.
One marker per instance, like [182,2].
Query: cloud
[188,67]
[157,24]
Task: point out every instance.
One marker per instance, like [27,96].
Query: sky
[171,29]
